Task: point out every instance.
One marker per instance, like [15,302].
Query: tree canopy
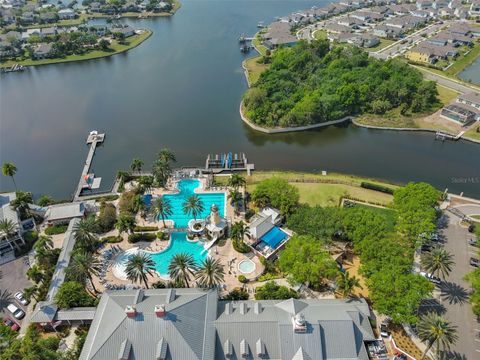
[311,83]
[272,291]
[278,193]
[73,294]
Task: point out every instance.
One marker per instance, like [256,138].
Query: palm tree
[438,262]
[166,155]
[210,273]
[31,292]
[161,172]
[347,284]
[21,202]
[436,331]
[9,169]
[181,267]
[145,183]
[193,205]
[35,274]
[5,299]
[44,242]
[125,223]
[239,231]
[136,165]
[162,208]
[9,230]
[236,181]
[85,234]
[85,265]
[138,267]
[235,198]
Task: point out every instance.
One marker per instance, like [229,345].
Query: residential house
[279,34]
[351,22]
[50,31]
[126,31]
[420,13]
[193,324]
[440,4]
[471,99]
[420,54]
[337,28]
[48,17]
[474,8]
[461,113]
[388,32]
[28,17]
[424,4]
[66,14]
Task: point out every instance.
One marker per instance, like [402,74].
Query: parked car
[433,279]
[16,312]
[474,262]
[471,228]
[473,242]
[11,324]
[21,299]
[384,330]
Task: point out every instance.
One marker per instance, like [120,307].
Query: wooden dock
[93,140]
[228,162]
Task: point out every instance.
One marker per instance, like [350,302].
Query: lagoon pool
[187,188]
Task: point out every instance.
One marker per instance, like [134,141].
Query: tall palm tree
[35,274]
[84,265]
[193,205]
[145,183]
[347,284]
[166,155]
[236,181]
[437,332]
[235,198]
[44,242]
[138,267]
[163,208]
[182,267]
[5,299]
[136,165]
[210,273]
[85,234]
[21,202]
[161,172]
[240,230]
[9,169]
[438,262]
[125,223]
[9,230]
[31,292]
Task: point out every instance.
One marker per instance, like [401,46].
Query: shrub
[237,294]
[163,235]
[107,218]
[240,247]
[56,229]
[145,228]
[73,294]
[129,202]
[112,239]
[376,187]
[159,285]
[248,214]
[136,237]
[242,279]
[273,291]
[107,198]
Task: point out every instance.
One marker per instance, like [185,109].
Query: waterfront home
[42,51]
[278,34]
[471,99]
[67,13]
[62,213]
[194,324]
[125,31]
[461,113]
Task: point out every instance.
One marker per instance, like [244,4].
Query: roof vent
[171,296]
[125,347]
[260,347]
[299,323]
[161,353]
[138,297]
[160,310]
[228,308]
[130,311]
[257,308]
[243,308]
[243,349]
[228,349]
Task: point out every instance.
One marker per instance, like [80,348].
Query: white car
[433,279]
[21,299]
[16,312]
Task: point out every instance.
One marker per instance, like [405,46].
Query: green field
[117,48]
[473,133]
[320,34]
[254,69]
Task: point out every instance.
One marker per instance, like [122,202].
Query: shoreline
[86,58]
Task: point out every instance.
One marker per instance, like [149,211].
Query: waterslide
[208,245]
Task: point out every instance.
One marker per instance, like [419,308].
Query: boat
[241,39]
[260,25]
[14,68]
[244,48]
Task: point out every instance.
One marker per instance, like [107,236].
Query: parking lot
[13,280]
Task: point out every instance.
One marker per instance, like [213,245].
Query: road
[454,292]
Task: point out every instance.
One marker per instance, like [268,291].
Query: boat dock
[228,162]
[87,180]
[14,68]
[443,136]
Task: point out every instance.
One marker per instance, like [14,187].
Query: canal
[181,89]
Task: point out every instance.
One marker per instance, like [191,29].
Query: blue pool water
[274,237]
[187,188]
[179,244]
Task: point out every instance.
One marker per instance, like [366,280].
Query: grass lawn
[473,133]
[446,95]
[381,45]
[117,48]
[258,45]
[254,69]
[320,34]
[463,61]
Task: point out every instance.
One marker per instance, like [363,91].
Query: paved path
[454,293]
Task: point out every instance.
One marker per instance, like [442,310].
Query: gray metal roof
[196,326]
[44,312]
[74,314]
[65,211]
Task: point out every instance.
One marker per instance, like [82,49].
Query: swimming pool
[187,188]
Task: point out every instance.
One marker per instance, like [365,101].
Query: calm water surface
[181,89]
[472,73]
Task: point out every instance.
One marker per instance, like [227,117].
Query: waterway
[181,89]
[472,72]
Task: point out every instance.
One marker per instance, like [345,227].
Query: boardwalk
[93,139]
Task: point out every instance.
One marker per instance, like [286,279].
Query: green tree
[182,267]
[473,278]
[21,202]
[72,294]
[31,292]
[125,223]
[167,155]
[238,232]
[438,262]
[5,299]
[278,193]
[236,199]
[45,200]
[193,206]
[272,291]
[305,261]
[85,233]
[347,284]
[162,169]
[237,294]
[210,273]
[162,208]
[138,267]
[107,217]
[9,230]
[9,169]
[136,165]
[436,332]
[35,274]
[236,181]
[85,265]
